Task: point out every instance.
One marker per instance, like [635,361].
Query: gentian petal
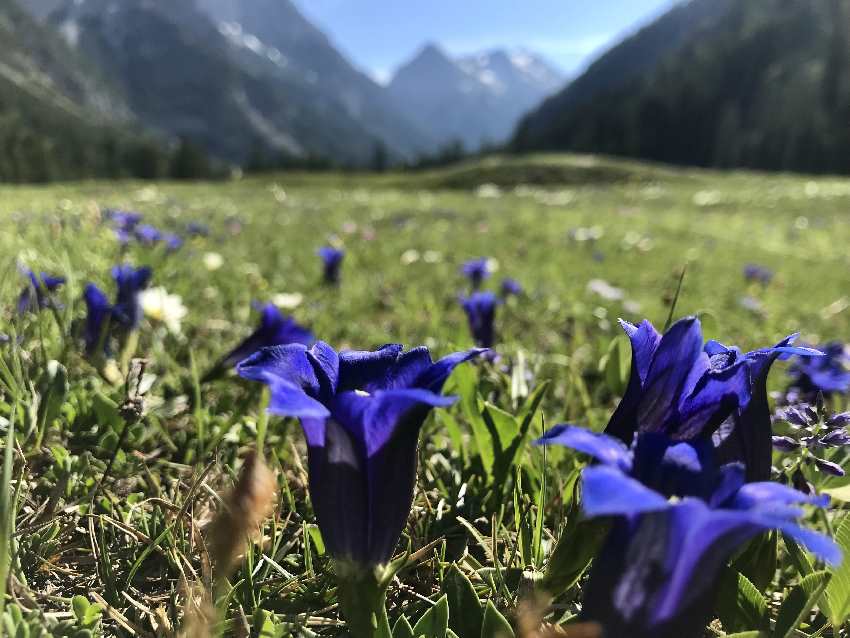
[337,479]
[289,399]
[435,376]
[325,362]
[98,311]
[680,348]
[288,363]
[644,341]
[367,370]
[606,491]
[717,394]
[605,449]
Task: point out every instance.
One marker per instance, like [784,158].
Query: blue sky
[379,34]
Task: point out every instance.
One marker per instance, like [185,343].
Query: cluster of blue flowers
[124,315]
[682,470]
[128,226]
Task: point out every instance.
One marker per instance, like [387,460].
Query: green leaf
[799,603]
[54,390]
[576,547]
[465,613]
[402,628]
[758,561]
[435,621]
[495,625]
[838,590]
[741,606]
[316,537]
[615,366]
[749,634]
[106,411]
[80,607]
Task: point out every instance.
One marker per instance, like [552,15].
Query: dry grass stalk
[245,508]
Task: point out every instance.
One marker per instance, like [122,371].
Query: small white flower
[158,305]
[213,261]
[288,300]
[432,256]
[410,256]
[605,290]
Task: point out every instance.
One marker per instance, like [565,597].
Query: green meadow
[106,516]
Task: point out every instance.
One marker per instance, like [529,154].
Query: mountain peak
[476,98]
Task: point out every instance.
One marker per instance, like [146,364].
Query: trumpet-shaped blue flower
[125,314]
[361,413]
[746,435]
[828,374]
[476,270]
[98,316]
[34,295]
[173,242]
[687,389]
[510,287]
[757,273]
[197,229]
[331,263]
[129,282]
[274,329]
[480,308]
[124,224]
[678,517]
[148,234]
[673,387]
[123,219]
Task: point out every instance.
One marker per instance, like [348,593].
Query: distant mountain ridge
[254,80]
[229,90]
[59,116]
[714,83]
[476,99]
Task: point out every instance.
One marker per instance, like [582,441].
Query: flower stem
[362,599]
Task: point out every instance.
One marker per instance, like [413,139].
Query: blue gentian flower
[99,313]
[123,219]
[477,270]
[275,329]
[827,375]
[690,390]
[480,308]
[130,282]
[678,517]
[172,242]
[331,263]
[759,274]
[148,234]
[361,413]
[34,295]
[511,287]
[673,388]
[746,435]
[197,229]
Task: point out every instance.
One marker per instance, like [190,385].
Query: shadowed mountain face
[476,99]
[188,74]
[306,52]
[715,83]
[59,116]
